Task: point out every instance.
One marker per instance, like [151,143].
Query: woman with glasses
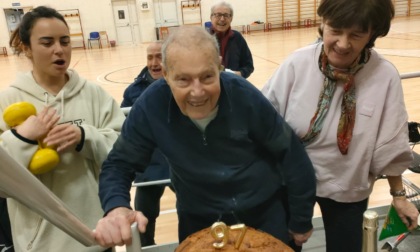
[235,53]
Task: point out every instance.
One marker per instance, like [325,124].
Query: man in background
[235,53]
[147,198]
[151,72]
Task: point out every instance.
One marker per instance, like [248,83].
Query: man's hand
[300,239]
[238,73]
[115,228]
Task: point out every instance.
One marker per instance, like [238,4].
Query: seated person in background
[229,151]
[346,103]
[151,72]
[235,53]
[147,199]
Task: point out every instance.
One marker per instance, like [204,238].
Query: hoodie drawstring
[46,98]
[61,102]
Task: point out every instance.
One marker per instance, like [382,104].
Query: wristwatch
[399,193]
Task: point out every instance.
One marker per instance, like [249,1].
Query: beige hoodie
[75,179]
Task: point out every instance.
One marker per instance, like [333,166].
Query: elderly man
[147,198]
[235,53]
[230,152]
[151,72]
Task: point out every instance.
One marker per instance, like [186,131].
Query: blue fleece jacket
[237,56]
[135,89]
[242,158]
[158,167]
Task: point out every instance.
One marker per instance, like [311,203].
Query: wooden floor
[115,67]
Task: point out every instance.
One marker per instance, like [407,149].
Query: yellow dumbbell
[45,158]
[17,113]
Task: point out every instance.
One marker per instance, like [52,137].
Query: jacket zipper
[38,226]
[203,134]
[204,139]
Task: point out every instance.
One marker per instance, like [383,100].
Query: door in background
[166,13]
[126,21]
[13,17]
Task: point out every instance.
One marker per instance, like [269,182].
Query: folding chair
[104,36]
[92,37]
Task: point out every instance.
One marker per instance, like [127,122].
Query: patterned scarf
[348,104]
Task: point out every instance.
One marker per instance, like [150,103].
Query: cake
[253,241]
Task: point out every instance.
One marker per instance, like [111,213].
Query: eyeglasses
[220,15]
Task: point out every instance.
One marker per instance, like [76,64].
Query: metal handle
[135,240]
[400,238]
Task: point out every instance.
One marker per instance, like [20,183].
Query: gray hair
[224,4]
[190,37]
[158,42]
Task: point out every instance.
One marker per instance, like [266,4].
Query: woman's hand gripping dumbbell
[22,116]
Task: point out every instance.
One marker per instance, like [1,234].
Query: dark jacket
[135,89]
[238,56]
[6,243]
[236,164]
[159,168]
